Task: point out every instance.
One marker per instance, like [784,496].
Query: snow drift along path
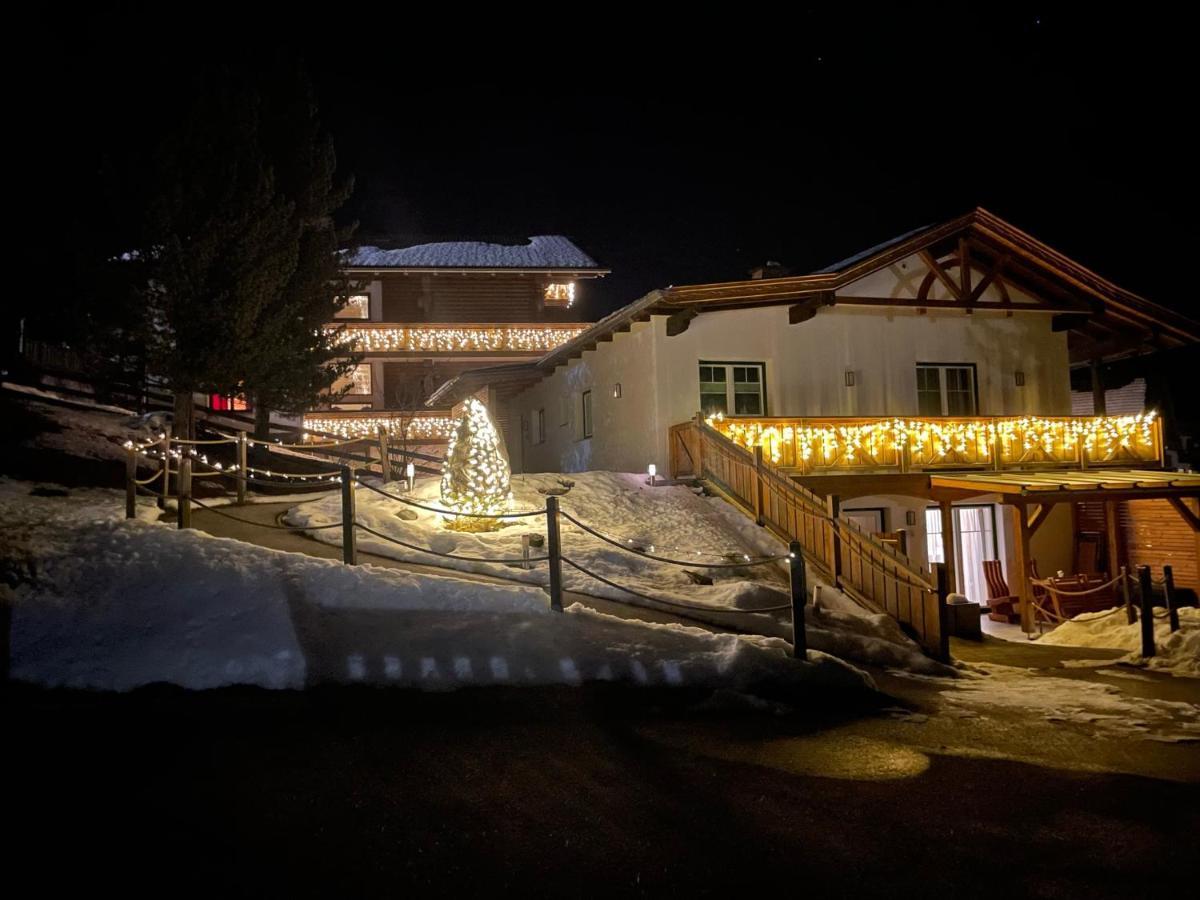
[100,602]
[670,521]
[1177,653]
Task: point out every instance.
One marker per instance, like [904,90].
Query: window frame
[540,434]
[350,375]
[585,418]
[341,313]
[730,385]
[943,389]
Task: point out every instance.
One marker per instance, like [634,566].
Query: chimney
[769,269]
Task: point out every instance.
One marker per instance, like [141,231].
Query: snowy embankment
[100,602]
[669,521]
[1177,653]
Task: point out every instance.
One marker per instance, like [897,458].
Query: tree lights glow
[475,474]
[915,444]
[452,338]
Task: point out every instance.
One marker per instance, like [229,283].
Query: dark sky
[691,150]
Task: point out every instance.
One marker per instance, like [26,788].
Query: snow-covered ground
[100,602]
[1177,653]
[669,521]
[1104,709]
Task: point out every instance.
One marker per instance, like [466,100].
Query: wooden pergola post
[1020,523]
[1111,525]
[1099,407]
[949,549]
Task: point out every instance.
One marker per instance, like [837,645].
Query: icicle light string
[929,442]
[448,339]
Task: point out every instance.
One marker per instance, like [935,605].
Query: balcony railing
[829,446]
[431,428]
[381,337]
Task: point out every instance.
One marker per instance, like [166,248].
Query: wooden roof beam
[936,268]
[806,309]
[678,322]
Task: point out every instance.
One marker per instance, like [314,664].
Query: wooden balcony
[509,339]
[851,446]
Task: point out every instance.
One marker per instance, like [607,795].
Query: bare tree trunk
[262,420]
[184,425]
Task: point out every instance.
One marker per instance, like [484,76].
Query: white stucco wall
[625,429]
[805,374]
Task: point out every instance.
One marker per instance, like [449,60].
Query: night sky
[688,151]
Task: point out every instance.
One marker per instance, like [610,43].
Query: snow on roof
[870,251]
[543,251]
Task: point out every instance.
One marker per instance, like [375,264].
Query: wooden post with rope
[1147,604]
[799,590]
[185,492]
[243,472]
[130,482]
[1169,597]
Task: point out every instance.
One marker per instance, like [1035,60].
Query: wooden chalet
[914,398]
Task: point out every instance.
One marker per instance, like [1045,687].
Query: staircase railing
[873,572]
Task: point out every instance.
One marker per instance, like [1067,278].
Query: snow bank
[1177,653]
[103,603]
[673,520]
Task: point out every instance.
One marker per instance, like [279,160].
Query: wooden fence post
[699,432]
[833,508]
[1147,604]
[385,461]
[1169,596]
[130,482]
[243,473]
[799,585]
[185,492]
[941,583]
[758,485]
[1130,613]
[525,551]
[555,551]
[349,550]
[165,491]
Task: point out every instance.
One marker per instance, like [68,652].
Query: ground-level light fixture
[409,472]
[617,391]
[653,471]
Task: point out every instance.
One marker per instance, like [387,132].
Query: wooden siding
[1155,535]
[425,297]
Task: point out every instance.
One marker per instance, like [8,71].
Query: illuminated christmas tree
[475,474]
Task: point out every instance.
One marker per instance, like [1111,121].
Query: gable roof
[1103,320]
[544,252]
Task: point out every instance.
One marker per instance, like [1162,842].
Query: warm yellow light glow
[429,428]
[449,339]
[475,474]
[948,443]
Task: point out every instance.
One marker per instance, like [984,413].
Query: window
[946,390]
[587,414]
[541,427]
[737,389]
[560,294]
[356,383]
[934,547]
[358,306]
[232,403]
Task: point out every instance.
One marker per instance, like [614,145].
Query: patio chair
[1003,604]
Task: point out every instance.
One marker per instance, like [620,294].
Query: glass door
[975,530]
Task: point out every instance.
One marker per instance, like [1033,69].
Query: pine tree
[475,473]
[218,240]
[297,361]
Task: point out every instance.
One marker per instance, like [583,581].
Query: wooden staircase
[874,573]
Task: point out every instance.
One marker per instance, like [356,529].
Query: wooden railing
[872,571]
[816,446]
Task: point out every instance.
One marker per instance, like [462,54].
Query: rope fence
[351,525]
